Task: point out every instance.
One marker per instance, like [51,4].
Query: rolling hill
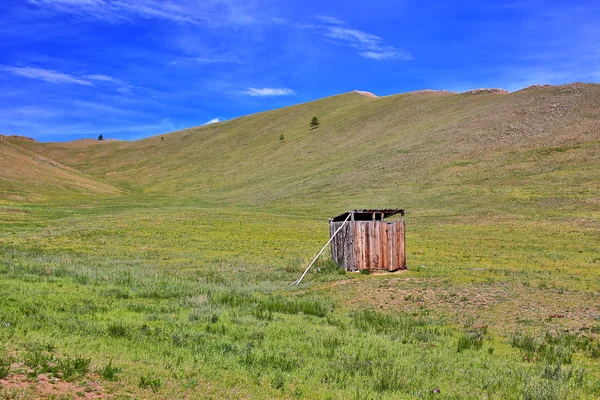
[478,151]
[27,176]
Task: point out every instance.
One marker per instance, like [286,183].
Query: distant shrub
[314,123]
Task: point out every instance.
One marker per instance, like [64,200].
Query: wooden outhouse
[367,241]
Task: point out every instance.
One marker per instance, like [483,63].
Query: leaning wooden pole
[297,282]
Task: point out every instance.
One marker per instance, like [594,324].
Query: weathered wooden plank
[373,248]
[349,249]
[402,244]
[389,255]
[363,246]
[357,246]
[398,244]
[383,246]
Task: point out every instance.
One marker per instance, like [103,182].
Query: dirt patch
[505,307]
[435,91]
[485,90]
[2,137]
[21,386]
[363,93]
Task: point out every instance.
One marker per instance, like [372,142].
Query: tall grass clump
[553,349]
[109,371]
[273,304]
[471,338]
[5,363]
[71,368]
[150,382]
[403,327]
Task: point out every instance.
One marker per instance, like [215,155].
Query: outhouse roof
[367,214]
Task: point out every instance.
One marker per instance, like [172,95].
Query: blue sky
[127,69]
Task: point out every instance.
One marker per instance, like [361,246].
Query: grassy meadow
[162,268]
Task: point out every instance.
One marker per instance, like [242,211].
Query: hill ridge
[365,152]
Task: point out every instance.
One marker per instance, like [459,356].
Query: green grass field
[162,268]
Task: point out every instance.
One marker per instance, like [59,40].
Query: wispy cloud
[368,45]
[213,12]
[104,78]
[389,54]
[160,10]
[330,20]
[123,87]
[269,92]
[213,121]
[202,60]
[46,75]
[353,37]
[28,112]
[57,77]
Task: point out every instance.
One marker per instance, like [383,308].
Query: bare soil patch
[21,386]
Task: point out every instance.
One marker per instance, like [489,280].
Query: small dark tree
[281,139]
[314,123]
[100,137]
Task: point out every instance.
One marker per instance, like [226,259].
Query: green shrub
[70,368]
[5,363]
[149,382]
[39,359]
[109,372]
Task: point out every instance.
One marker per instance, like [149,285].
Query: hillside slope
[537,148]
[28,176]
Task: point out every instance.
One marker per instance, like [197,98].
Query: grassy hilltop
[417,149]
[161,267]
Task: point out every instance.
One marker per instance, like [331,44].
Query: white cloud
[51,76]
[160,10]
[124,87]
[330,20]
[208,12]
[103,78]
[46,75]
[213,121]
[353,37]
[368,45]
[387,55]
[118,10]
[124,90]
[203,60]
[269,92]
